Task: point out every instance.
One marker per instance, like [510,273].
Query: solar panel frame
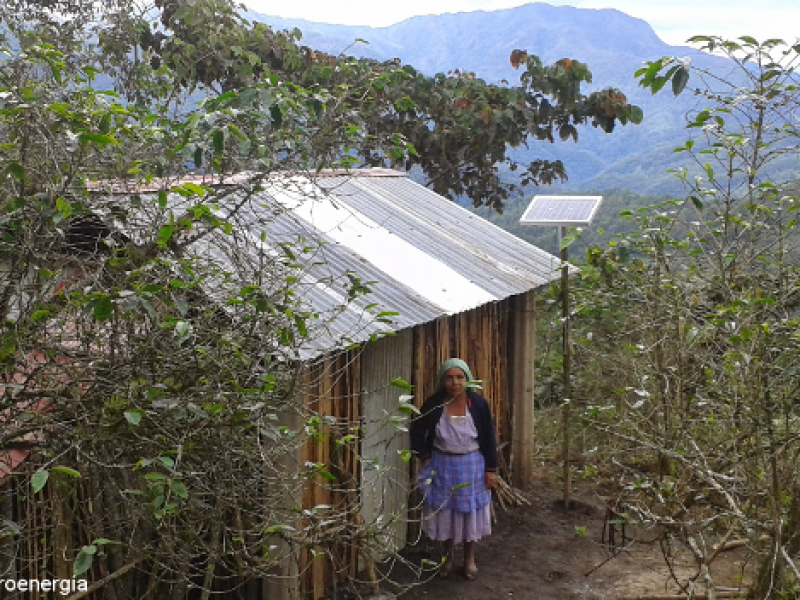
[555,211]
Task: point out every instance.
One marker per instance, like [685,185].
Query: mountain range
[611,42]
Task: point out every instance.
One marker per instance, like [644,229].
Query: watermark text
[60,586]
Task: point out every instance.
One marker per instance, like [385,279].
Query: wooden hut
[460,287]
[441,282]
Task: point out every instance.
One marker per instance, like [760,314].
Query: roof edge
[116,186]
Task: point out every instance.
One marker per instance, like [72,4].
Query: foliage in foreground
[689,331]
[151,331]
[150,339]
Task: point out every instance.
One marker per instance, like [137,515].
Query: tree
[144,333]
[460,128]
[694,320]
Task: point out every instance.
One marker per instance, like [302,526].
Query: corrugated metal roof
[427,256]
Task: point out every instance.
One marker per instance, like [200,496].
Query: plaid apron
[454,482]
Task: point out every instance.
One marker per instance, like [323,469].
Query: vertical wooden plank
[306,583]
[442,340]
[385,491]
[421,339]
[419,342]
[356,391]
[522,401]
[503,366]
[432,359]
[62,546]
[321,566]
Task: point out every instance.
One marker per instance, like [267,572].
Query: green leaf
[39,480]
[679,80]
[63,207]
[237,132]
[408,409]
[697,202]
[402,384]
[568,239]
[194,188]
[103,308]
[326,474]
[749,40]
[179,489]
[181,305]
[134,417]
[198,157]
[660,82]
[636,115]
[165,234]
[105,542]
[183,330]
[66,471]
[83,562]
[300,323]
[101,139]
[105,123]
[17,170]
[162,199]
[276,115]
[219,141]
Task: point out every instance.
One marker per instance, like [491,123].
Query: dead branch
[105,581]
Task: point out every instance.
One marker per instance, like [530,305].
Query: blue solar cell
[553,211]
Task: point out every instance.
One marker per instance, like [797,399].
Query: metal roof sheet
[420,254]
[429,256]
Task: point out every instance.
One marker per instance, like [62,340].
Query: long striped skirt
[457,503]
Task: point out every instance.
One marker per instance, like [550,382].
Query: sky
[673,20]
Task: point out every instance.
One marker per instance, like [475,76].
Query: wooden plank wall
[384,475]
[352,387]
[521,362]
[480,337]
[50,528]
[332,388]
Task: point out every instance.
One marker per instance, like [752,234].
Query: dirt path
[543,552]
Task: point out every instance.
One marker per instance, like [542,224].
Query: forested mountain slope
[612,43]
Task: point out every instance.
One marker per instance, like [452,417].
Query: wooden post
[522,389]
[565,407]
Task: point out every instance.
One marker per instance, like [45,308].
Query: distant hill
[612,43]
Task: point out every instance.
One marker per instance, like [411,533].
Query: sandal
[444,572]
[470,575]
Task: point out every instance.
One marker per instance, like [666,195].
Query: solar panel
[561,211]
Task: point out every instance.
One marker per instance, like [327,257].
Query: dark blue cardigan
[423,428]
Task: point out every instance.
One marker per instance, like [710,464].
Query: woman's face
[454,380]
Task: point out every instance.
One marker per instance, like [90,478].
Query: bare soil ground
[544,552]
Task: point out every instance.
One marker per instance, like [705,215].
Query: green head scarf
[449,364]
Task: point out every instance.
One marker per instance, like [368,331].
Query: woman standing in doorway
[454,439]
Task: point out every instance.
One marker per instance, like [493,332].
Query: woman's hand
[490,479]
